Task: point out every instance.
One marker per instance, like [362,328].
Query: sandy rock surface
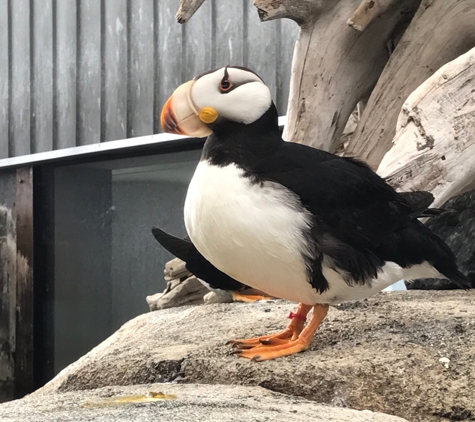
[410,354]
[191,403]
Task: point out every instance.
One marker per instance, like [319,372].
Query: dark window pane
[106,260]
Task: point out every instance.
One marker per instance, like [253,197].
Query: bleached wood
[188,292]
[334,66]
[440,31]
[175,268]
[187,9]
[434,145]
[366,12]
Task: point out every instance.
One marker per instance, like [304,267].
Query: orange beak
[168,120]
[179,114]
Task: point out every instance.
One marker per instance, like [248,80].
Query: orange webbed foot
[293,339]
[267,352]
[292,332]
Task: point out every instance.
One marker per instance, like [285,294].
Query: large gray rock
[408,354]
[192,403]
[457,229]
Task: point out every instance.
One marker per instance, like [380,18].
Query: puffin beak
[180,116]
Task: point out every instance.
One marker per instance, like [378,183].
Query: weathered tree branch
[434,146]
[301,11]
[440,31]
[367,11]
[334,67]
[187,9]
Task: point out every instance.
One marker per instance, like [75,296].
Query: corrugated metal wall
[76,72]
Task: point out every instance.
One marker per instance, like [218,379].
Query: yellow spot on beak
[208,115]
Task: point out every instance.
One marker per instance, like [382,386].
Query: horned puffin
[203,270]
[296,222]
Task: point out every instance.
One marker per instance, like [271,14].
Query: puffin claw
[244,347]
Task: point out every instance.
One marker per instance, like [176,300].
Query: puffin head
[231,93]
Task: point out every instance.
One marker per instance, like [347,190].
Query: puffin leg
[292,331]
[266,352]
[239,297]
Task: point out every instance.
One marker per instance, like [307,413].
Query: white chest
[252,232]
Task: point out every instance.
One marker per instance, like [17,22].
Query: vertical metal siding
[229,29]
[115,43]
[89,64]
[4,77]
[20,73]
[141,68]
[42,76]
[78,72]
[168,53]
[65,35]
[261,45]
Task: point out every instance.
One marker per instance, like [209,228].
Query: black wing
[346,197]
[196,263]
[359,220]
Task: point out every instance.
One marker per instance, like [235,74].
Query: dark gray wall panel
[229,46]
[169,54]
[89,72]
[4,78]
[42,74]
[115,70]
[65,74]
[20,112]
[289,30]
[262,44]
[78,72]
[197,43]
[141,68]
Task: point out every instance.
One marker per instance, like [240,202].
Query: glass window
[106,260]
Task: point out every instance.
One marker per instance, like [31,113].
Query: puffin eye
[225,85]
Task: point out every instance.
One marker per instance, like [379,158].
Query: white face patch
[246,103]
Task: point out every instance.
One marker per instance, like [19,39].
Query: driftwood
[187,9]
[441,31]
[334,66]
[434,146]
[183,288]
[175,269]
[187,292]
[367,11]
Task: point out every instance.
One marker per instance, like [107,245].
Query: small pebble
[445,361]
